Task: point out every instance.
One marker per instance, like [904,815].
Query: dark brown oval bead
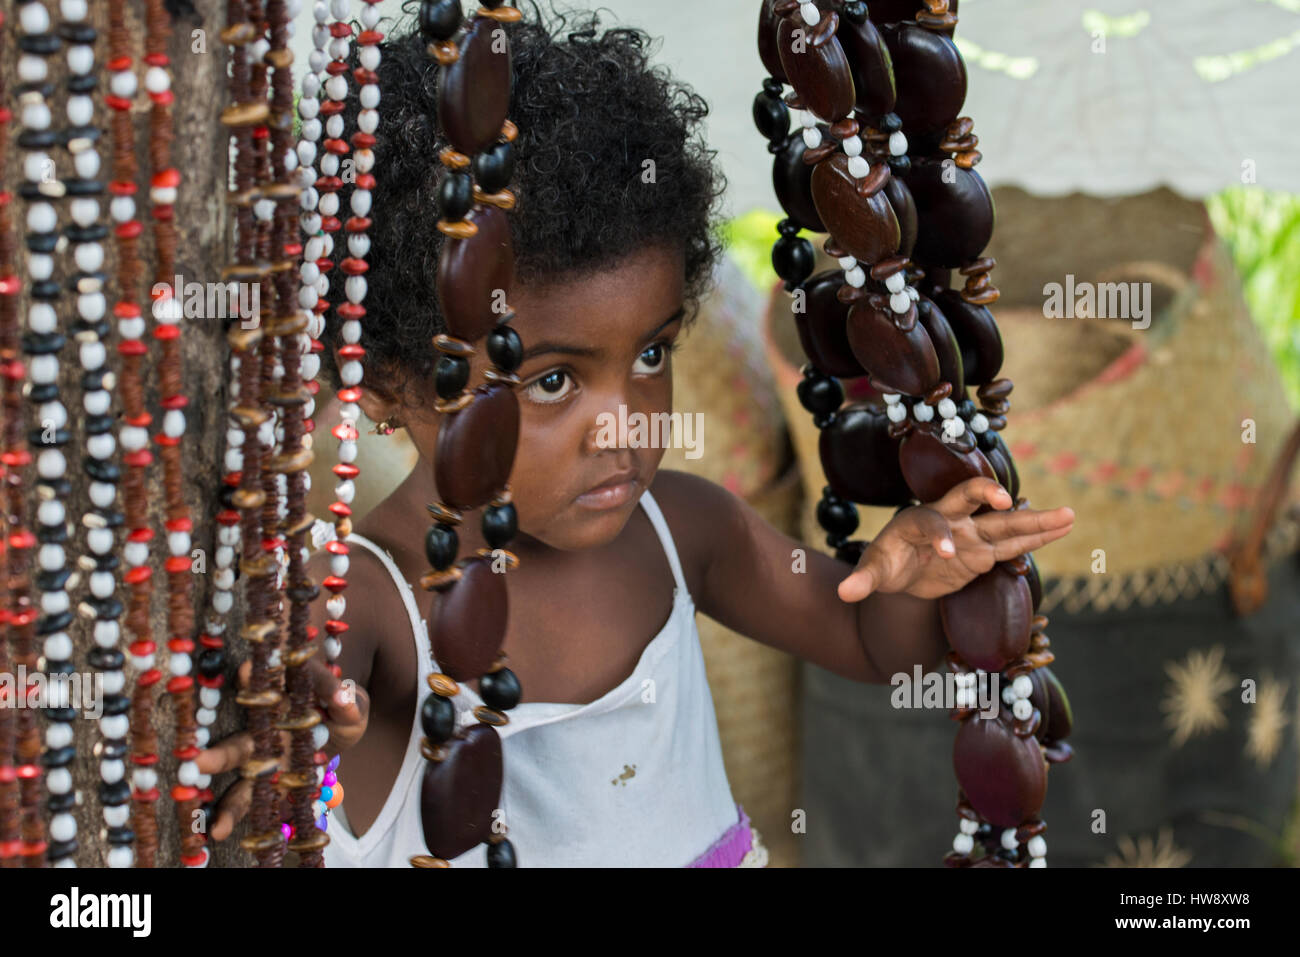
[945,344]
[904,207]
[932,466]
[861,460]
[767,41]
[1004,777]
[468,627]
[476,448]
[472,270]
[792,181]
[904,361]
[823,327]
[1059,714]
[1035,582]
[988,621]
[931,77]
[474,92]
[460,792]
[865,227]
[818,71]
[955,219]
[870,67]
[977,334]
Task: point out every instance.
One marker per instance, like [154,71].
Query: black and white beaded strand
[86,235]
[43,343]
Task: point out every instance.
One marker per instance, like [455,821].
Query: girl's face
[597,352]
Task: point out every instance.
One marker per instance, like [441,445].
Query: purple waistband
[730,849]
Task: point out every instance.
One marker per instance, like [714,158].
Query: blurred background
[1124,141]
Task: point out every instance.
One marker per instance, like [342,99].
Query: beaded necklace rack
[885,165]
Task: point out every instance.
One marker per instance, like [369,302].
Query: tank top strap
[418,630]
[656,516]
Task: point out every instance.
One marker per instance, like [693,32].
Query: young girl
[612,758]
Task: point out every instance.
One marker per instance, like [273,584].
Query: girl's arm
[758,581]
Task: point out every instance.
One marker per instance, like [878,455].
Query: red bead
[120,187]
[260,132]
[183,645]
[341,509]
[351,310]
[363,141]
[131,229]
[329,184]
[156,59]
[139,459]
[126,310]
[119,103]
[119,64]
[340,29]
[336,146]
[365,181]
[330,107]
[182,793]
[177,564]
[352,350]
[335,628]
[165,331]
[177,401]
[180,683]
[354,267]
[170,177]
[141,573]
[140,535]
[150,677]
[188,753]
[350,394]
[165,98]
[369,38]
[346,470]
[334,583]
[9,286]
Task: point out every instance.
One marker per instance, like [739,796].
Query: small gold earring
[386,427]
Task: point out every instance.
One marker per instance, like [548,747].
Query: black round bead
[114,749]
[118,836]
[788,227]
[115,794]
[494,166]
[58,850]
[505,348]
[772,85]
[793,258]
[851,552]
[820,394]
[836,515]
[966,408]
[42,44]
[456,196]
[890,123]
[439,19]
[438,718]
[855,10]
[771,116]
[212,662]
[502,854]
[500,690]
[440,545]
[500,525]
[57,803]
[987,440]
[450,375]
[900,165]
[58,757]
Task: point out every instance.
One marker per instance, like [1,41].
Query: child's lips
[614,493]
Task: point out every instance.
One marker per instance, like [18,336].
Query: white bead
[63,827]
[1023,686]
[31,68]
[369,96]
[179,664]
[209,697]
[178,543]
[810,13]
[892,397]
[361,202]
[306,154]
[121,208]
[900,303]
[58,735]
[896,282]
[37,167]
[979,423]
[187,773]
[336,606]
[345,491]
[115,726]
[222,602]
[963,843]
[123,84]
[1009,839]
[351,373]
[897,143]
[92,354]
[328,204]
[36,115]
[144,779]
[112,771]
[51,464]
[364,160]
[156,79]
[34,18]
[339,47]
[347,451]
[369,56]
[320,736]
[340,9]
[858,167]
[896,412]
[812,138]
[336,87]
[92,306]
[40,267]
[86,164]
[121,855]
[852,146]
[968,826]
[258,49]
[339,565]
[100,541]
[1038,862]
[264,209]
[81,60]
[359,244]
[369,16]
[334,126]
[205,716]
[174,423]
[355,288]
[102,584]
[88,256]
[1008,696]
[73,9]
[114,681]
[117,815]
[167,310]
[953,427]
[368,120]
[912,294]
[807,119]
[1022,709]
[41,218]
[947,408]
[136,553]
[1037,846]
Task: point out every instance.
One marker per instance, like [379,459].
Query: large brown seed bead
[469,625]
[815,63]
[903,360]
[476,448]
[822,327]
[932,466]
[474,94]
[987,622]
[870,66]
[954,212]
[475,275]
[460,792]
[977,334]
[1003,776]
[931,77]
[865,227]
[860,458]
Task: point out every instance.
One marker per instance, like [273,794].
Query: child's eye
[548,388]
[656,355]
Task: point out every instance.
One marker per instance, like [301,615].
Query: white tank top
[632,779]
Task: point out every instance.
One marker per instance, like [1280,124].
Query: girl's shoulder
[699,516]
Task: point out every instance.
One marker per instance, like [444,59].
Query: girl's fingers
[996,527]
[1011,547]
[929,527]
[226,755]
[233,806]
[965,497]
[347,705]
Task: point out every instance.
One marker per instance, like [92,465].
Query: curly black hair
[590,110]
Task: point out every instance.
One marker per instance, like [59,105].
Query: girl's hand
[936,549]
[348,709]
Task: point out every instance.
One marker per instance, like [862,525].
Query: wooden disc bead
[444,685]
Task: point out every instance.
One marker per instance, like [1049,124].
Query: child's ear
[376,404]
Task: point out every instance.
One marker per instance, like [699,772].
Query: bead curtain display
[883,163]
[477,439]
